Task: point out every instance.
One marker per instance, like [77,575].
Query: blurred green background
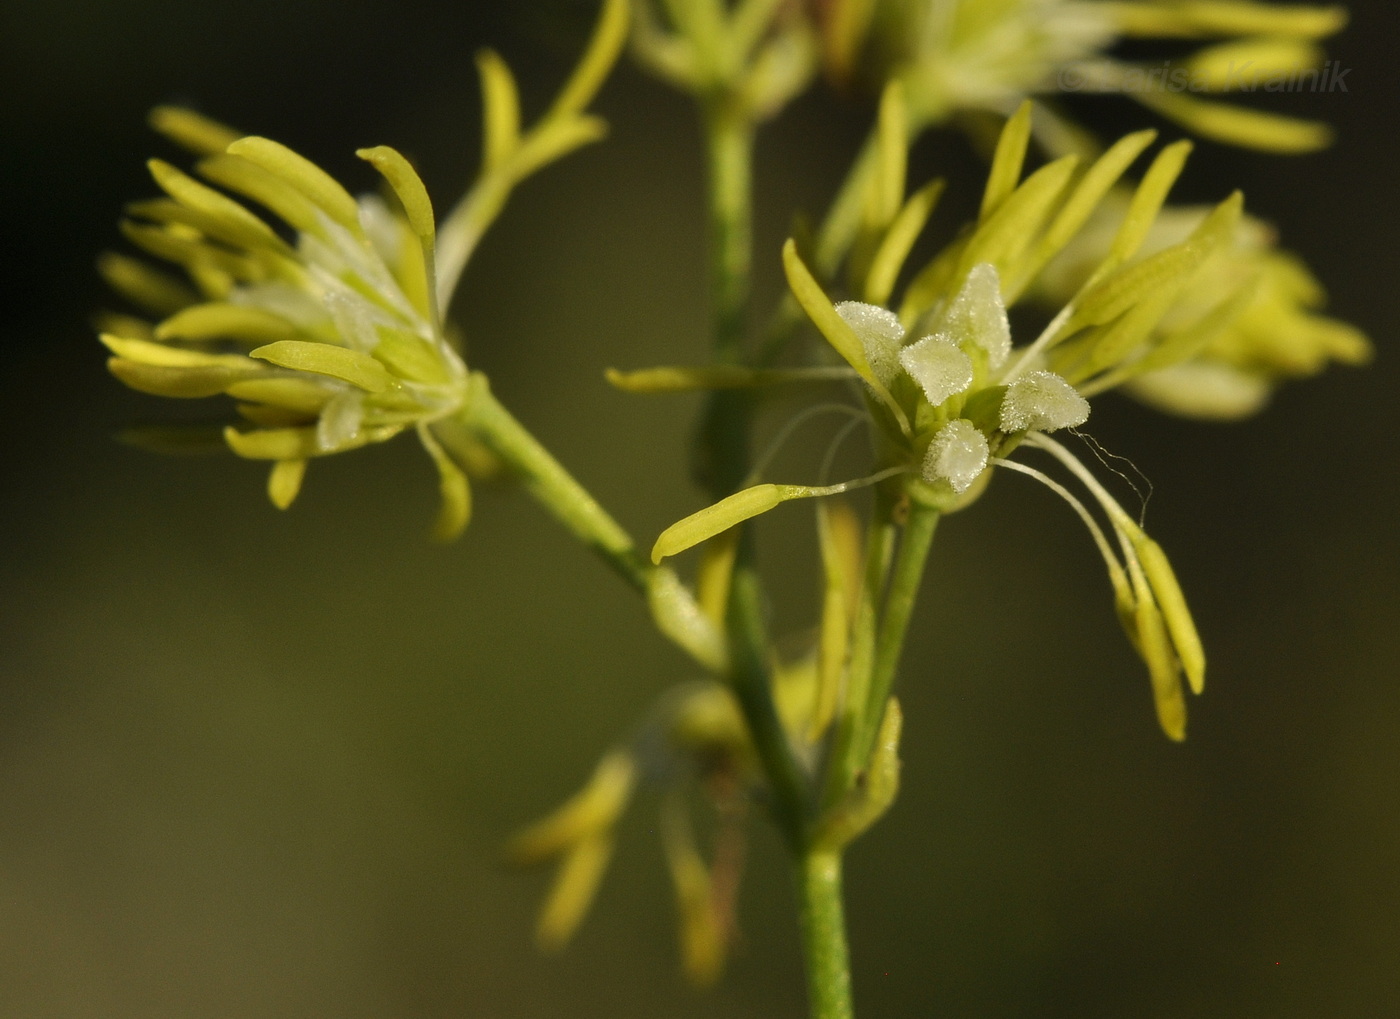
[255,764]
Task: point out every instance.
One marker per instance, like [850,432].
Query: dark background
[255,764]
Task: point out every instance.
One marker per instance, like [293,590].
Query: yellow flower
[950,396]
[328,328]
[955,56]
[1249,319]
[329,341]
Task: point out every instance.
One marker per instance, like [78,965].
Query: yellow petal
[1162,668]
[150,352]
[1177,614]
[1246,62]
[572,893]
[189,249]
[833,327]
[714,574]
[713,520]
[191,130]
[1081,203]
[1193,18]
[221,217]
[304,176]
[892,148]
[352,366]
[838,531]
[1010,229]
[298,443]
[407,185]
[305,396]
[267,189]
[1125,288]
[455,510]
[593,810]
[1238,125]
[284,482]
[144,286]
[273,443]
[1008,160]
[677,379]
[500,103]
[411,357]
[702,936]
[216,320]
[898,240]
[169,380]
[1147,201]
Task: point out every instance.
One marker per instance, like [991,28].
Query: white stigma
[977,315]
[957,455]
[939,366]
[880,335]
[1042,401]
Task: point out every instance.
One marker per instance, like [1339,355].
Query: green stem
[673,607]
[894,624]
[546,479]
[751,679]
[729,152]
[824,935]
[723,465]
[722,450]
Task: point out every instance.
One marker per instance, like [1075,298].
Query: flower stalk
[823,923]
[485,419]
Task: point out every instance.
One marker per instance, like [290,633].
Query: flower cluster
[949,395]
[1251,315]
[955,56]
[328,328]
[327,342]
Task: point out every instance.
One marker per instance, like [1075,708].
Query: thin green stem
[824,935]
[894,624]
[729,150]
[546,479]
[752,682]
[722,450]
[673,608]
